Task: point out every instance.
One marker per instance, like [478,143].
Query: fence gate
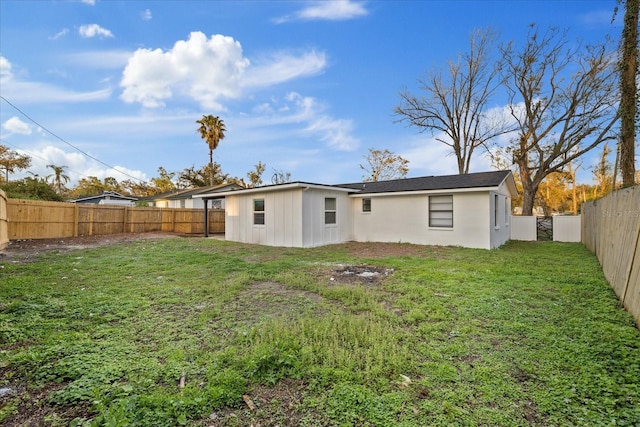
[544,228]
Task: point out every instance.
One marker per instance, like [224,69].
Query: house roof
[478,180]
[273,187]
[189,193]
[430,183]
[112,195]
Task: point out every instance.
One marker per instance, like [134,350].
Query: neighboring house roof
[425,183]
[189,193]
[107,195]
[430,183]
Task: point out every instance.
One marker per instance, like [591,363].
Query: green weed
[174,331]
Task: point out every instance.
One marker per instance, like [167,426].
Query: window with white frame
[441,211]
[366,205]
[258,211]
[330,210]
[496,199]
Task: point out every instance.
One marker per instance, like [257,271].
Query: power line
[68,143]
[32,154]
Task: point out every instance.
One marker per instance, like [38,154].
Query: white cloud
[102,59]
[335,132]
[5,68]
[15,125]
[207,70]
[430,157]
[60,34]
[77,165]
[17,90]
[328,10]
[146,15]
[94,30]
[89,2]
[295,110]
[282,67]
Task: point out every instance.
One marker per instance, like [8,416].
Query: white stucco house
[471,210]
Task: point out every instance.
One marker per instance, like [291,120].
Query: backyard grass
[202,332]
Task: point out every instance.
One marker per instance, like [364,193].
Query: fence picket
[33,219]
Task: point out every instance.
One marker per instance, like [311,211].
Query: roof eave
[432,191]
[272,188]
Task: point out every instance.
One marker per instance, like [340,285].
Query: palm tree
[59,177]
[211,130]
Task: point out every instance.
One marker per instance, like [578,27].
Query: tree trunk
[529,191]
[629,92]
[210,167]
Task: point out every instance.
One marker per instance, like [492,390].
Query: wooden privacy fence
[4,230]
[611,229]
[32,219]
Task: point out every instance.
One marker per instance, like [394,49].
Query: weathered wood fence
[4,230]
[32,219]
[611,229]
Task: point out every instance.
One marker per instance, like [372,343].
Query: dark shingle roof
[447,182]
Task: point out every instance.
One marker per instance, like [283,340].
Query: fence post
[206,217]
[76,219]
[91,220]
[124,220]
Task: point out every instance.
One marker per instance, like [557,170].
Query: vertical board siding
[4,227]
[33,219]
[611,229]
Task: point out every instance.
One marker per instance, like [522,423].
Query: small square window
[366,205]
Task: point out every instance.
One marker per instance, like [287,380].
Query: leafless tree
[384,165]
[563,97]
[455,101]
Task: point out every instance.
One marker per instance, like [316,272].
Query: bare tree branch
[455,103]
[564,101]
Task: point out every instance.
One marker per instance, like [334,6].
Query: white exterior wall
[405,218]
[500,216]
[293,218]
[315,231]
[282,217]
[567,228]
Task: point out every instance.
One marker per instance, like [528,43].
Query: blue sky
[306,87]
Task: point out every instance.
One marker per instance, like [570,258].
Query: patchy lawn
[202,332]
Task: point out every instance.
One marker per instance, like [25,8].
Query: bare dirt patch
[383,250]
[364,274]
[270,299]
[278,405]
[29,249]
